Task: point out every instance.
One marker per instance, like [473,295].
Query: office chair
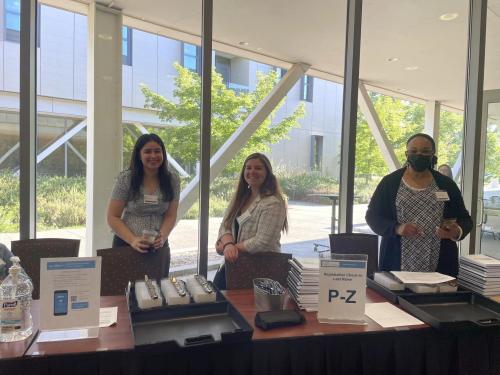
[272,265]
[31,251]
[357,243]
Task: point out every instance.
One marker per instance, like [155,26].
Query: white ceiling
[314,32]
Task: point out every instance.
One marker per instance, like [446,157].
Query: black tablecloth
[408,352]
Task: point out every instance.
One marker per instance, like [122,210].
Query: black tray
[452,311]
[393,295]
[187,325]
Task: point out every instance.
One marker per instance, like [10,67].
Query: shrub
[298,185]
[60,202]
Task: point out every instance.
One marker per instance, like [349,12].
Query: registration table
[310,348]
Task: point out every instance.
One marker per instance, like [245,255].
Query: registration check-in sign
[342,288]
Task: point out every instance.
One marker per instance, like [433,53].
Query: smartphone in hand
[446,222]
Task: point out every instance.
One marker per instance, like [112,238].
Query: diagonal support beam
[8,153]
[377,129]
[170,159]
[432,117]
[238,139]
[77,153]
[61,140]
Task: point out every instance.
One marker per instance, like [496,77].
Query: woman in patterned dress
[145,197]
[419,213]
[256,215]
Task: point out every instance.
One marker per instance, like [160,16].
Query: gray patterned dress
[137,214]
[420,206]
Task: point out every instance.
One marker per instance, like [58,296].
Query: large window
[191,58]
[223,67]
[306,88]
[126,45]
[12,20]
[316,152]
[61,132]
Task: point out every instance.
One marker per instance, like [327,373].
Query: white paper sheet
[388,315]
[421,277]
[70,334]
[108,316]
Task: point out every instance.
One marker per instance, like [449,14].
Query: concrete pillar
[104,119]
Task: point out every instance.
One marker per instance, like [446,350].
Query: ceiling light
[411,67]
[392,59]
[243,43]
[448,16]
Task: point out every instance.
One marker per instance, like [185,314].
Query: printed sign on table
[70,293]
[342,288]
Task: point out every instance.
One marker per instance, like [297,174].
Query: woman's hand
[140,244]
[449,232]
[218,247]
[408,230]
[159,241]
[231,253]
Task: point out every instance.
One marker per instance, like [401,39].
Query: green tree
[229,110]
[450,137]
[400,119]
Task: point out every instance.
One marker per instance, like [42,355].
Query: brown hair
[269,187]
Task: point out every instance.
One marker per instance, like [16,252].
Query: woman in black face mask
[419,213]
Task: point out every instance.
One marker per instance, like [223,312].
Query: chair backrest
[31,251]
[272,265]
[120,265]
[357,243]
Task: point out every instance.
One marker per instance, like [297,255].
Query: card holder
[282,318]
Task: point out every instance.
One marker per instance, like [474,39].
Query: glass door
[488,222]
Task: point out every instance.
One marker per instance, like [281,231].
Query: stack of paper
[303,282]
[480,273]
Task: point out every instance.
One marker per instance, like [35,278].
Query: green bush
[60,202]
[298,186]
[216,209]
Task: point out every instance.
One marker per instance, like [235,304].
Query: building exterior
[147,59]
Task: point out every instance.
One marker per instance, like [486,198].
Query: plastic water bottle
[15,304]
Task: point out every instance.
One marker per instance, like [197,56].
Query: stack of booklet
[303,282]
[480,273]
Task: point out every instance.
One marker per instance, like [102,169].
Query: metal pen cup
[269,294]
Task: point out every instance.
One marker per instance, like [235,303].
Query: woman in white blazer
[256,215]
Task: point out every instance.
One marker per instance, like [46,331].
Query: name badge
[442,196]
[150,199]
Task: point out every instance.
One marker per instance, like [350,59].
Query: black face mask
[420,162]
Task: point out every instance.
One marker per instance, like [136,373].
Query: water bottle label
[10,313]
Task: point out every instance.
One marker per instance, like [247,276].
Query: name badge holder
[342,288]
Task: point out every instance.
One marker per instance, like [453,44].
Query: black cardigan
[381,216]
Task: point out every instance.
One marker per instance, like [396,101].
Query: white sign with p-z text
[342,289]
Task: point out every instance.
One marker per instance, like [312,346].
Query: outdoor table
[333,198]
